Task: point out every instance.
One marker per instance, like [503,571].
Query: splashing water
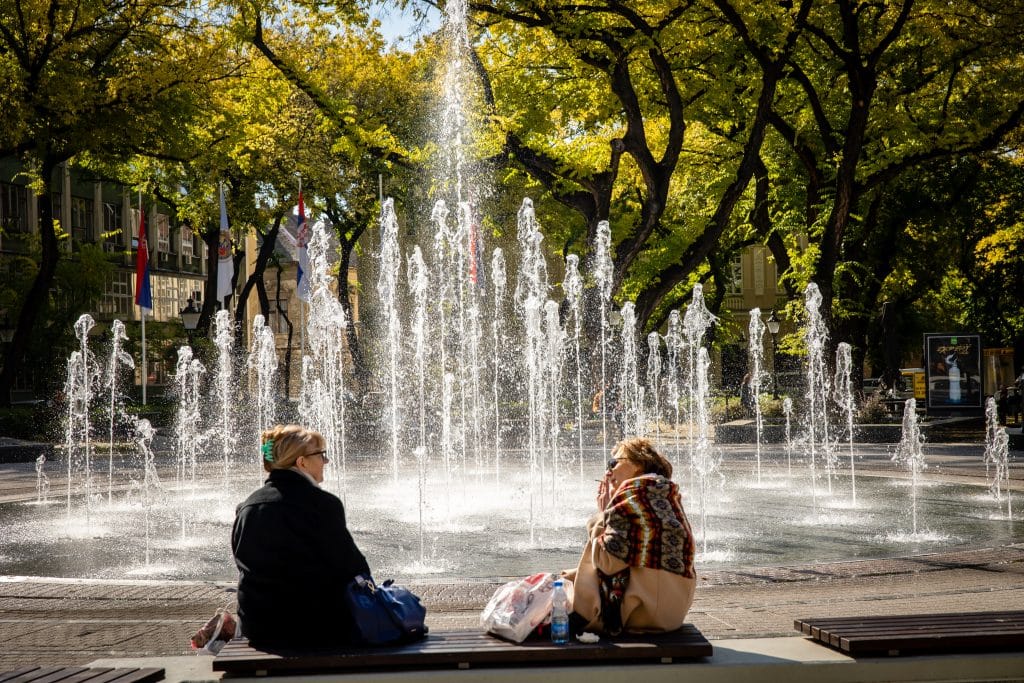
[910,454]
[844,397]
[997,456]
[225,389]
[573,288]
[604,272]
[756,330]
[817,439]
[696,322]
[79,389]
[42,481]
[118,358]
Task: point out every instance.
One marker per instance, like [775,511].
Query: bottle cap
[558,583]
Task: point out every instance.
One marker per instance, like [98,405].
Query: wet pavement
[75,621]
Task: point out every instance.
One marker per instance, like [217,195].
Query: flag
[143,290]
[225,263]
[302,239]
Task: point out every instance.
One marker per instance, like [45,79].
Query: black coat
[295,556]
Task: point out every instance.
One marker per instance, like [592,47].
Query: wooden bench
[462,650]
[81,674]
[914,634]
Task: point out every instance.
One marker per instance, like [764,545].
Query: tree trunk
[38,294]
[256,277]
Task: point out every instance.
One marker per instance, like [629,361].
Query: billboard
[954,372]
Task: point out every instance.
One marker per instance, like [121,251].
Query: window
[734,273]
[163,234]
[81,218]
[168,297]
[13,208]
[112,224]
[118,300]
[187,242]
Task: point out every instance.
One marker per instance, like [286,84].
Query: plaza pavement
[77,621]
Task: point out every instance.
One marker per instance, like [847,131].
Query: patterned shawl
[645,526]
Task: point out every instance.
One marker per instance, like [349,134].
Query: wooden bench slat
[1011,615]
[464,648]
[35,674]
[87,675]
[9,675]
[908,633]
[61,674]
[147,674]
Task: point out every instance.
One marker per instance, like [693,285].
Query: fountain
[910,454]
[844,397]
[438,501]
[756,332]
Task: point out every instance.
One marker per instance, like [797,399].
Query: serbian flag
[302,239]
[143,291]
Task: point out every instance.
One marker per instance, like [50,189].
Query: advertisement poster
[954,372]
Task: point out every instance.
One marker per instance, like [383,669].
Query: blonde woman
[636,572]
[293,551]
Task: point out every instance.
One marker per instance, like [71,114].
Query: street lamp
[190,318]
[773,329]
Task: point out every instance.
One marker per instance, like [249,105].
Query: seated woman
[295,555]
[636,572]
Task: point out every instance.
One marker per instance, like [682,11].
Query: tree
[91,76]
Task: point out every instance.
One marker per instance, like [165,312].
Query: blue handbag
[386,613]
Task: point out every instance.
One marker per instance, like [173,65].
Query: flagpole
[142,313]
[302,305]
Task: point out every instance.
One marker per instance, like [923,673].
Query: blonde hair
[282,445]
[643,454]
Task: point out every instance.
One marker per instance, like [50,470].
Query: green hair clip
[268,450]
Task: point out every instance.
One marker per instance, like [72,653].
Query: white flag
[225,262]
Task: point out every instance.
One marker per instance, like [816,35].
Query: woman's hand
[605,488]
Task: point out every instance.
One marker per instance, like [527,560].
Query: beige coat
[655,599]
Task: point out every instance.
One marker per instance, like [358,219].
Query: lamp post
[190,318]
[773,329]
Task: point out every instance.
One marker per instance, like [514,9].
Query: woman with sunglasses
[293,550]
[636,572]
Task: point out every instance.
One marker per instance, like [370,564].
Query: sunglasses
[613,462]
[322,454]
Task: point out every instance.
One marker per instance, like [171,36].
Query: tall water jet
[262,361]
[552,358]
[654,377]
[705,461]
[188,427]
[910,454]
[144,434]
[844,397]
[419,284]
[498,278]
[79,388]
[818,389]
[696,322]
[997,456]
[629,389]
[225,389]
[604,272]
[323,398]
[534,350]
[387,288]
[573,288]
[118,358]
[756,330]
[673,341]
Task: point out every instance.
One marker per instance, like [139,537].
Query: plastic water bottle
[559,616]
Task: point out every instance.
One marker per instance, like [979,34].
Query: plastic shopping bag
[519,607]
